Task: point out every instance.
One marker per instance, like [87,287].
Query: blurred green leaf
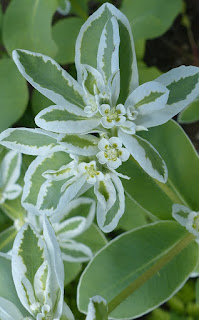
[1,22]
[183,166]
[80,8]
[71,270]
[39,102]
[7,238]
[140,49]
[150,19]
[64,33]
[147,73]
[27,25]
[130,257]
[190,114]
[13,93]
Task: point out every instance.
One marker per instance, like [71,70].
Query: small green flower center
[112,153]
[112,114]
[196,223]
[90,170]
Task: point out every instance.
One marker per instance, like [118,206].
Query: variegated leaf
[108,219]
[64,120]
[54,195]
[108,50]
[64,7]
[75,252]
[57,269]
[91,33]
[8,311]
[86,145]
[105,193]
[78,207]
[97,309]
[69,228]
[30,141]
[147,98]
[10,169]
[49,78]
[183,84]
[25,264]
[93,82]
[180,213]
[34,178]
[146,155]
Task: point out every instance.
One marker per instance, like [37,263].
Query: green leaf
[140,250]
[39,102]
[30,141]
[1,22]
[71,270]
[50,79]
[150,19]
[91,33]
[183,168]
[34,178]
[6,239]
[97,309]
[13,94]
[147,73]
[27,25]
[190,114]
[80,144]
[80,8]
[61,32]
[7,288]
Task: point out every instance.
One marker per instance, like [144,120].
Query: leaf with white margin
[8,311]
[91,33]
[45,75]
[97,309]
[34,179]
[10,169]
[105,193]
[108,51]
[63,119]
[26,262]
[73,251]
[30,141]
[146,155]
[108,219]
[57,268]
[148,97]
[93,81]
[77,207]
[86,145]
[69,228]
[66,313]
[180,213]
[64,7]
[54,195]
[183,84]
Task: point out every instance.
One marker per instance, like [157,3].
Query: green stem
[7,209]
[174,251]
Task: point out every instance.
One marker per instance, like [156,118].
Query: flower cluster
[95,123]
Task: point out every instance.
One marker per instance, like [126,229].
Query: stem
[174,251]
[7,209]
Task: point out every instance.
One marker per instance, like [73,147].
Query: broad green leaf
[38,102]
[30,141]
[71,270]
[50,79]
[27,25]
[61,32]
[146,155]
[150,19]
[147,73]
[91,32]
[190,114]
[80,8]
[6,239]
[7,288]
[34,179]
[80,144]
[12,106]
[140,250]
[183,168]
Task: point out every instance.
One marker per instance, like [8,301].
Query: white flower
[112,152]
[112,116]
[91,172]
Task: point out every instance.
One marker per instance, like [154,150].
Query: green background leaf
[183,166]
[190,114]
[126,258]
[150,19]
[13,93]
[27,25]
[65,33]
